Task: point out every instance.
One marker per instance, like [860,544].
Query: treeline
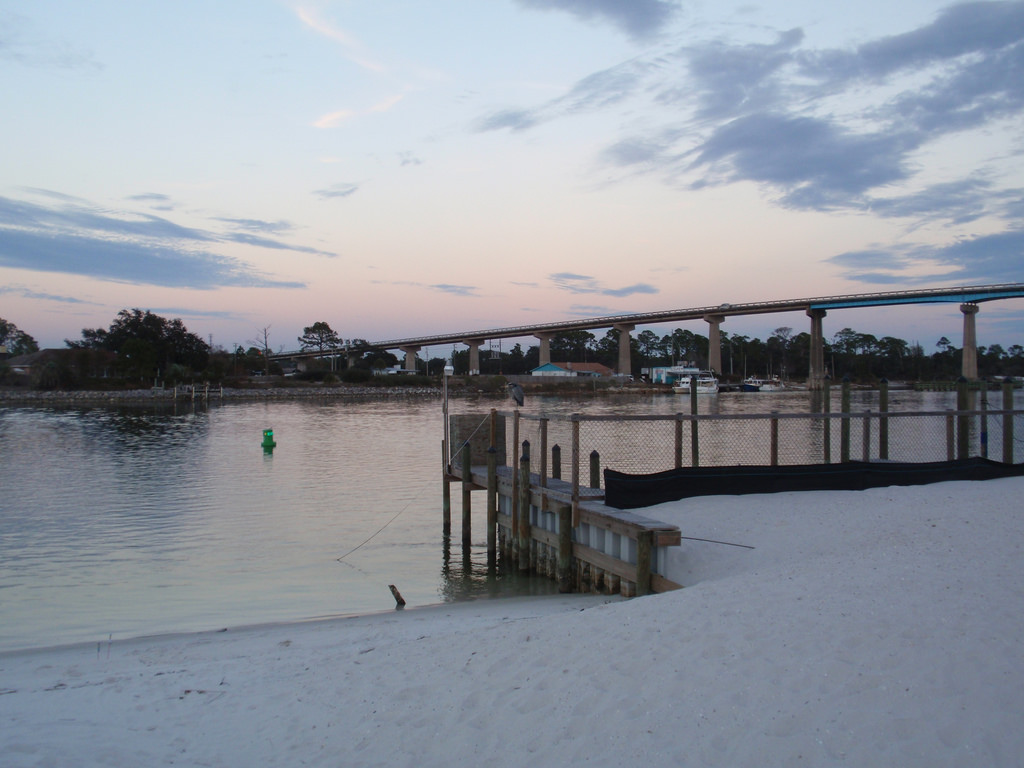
[139,348]
[861,356]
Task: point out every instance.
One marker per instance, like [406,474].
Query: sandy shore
[871,628]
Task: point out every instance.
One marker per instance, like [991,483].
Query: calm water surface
[124,522]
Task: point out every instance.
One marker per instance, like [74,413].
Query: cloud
[41,53]
[573,283]
[456,290]
[142,249]
[993,258]
[338,190]
[594,92]
[640,19]
[333,119]
[28,293]
[351,47]
[449,288]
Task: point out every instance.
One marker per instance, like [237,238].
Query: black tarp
[625,491]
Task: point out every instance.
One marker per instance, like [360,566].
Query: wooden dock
[558,528]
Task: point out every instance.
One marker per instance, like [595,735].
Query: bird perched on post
[516,392]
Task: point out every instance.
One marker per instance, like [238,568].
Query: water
[134,521]
[124,522]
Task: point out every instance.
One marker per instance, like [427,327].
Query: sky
[400,168]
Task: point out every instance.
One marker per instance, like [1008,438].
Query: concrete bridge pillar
[625,358]
[410,357]
[545,347]
[714,341]
[816,374]
[969,364]
[474,355]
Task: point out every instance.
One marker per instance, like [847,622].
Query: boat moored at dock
[706,381]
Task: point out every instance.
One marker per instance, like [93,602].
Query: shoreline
[870,627]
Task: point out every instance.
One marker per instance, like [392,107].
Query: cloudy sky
[398,168]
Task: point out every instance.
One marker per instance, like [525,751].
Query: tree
[17,342]
[319,336]
[262,343]
[169,343]
[571,346]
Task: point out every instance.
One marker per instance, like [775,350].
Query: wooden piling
[774,453]
[844,423]
[467,478]
[694,437]
[556,462]
[446,495]
[564,548]
[865,443]
[524,508]
[826,430]
[883,419]
[679,440]
[492,502]
[595,469]
[963,433]
[575,470]
[644,545]
[1008,421]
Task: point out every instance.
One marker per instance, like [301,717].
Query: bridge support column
[714,341]
[474,355]
[969,363]
[410,357]
[545,347]
[816,374]
[625,358]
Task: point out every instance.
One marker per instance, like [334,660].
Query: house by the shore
[572,369]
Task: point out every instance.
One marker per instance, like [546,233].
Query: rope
[466,441]
[374,535]
[403,509]
[712,541]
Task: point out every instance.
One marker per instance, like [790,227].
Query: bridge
[968,297]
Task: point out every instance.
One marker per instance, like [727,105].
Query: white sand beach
[871,628]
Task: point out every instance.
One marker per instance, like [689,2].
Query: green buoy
[268,440]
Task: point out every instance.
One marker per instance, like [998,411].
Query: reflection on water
[172,518]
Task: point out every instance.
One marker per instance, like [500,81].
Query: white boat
[757,384]
[707,383]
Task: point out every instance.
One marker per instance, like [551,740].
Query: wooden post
[983,419]
[595,469]
[514,464]
[774,421]
[556,462]
[564,548]
[826,436]
[644,545]
[524,508]
[679,441]
[492,502]
[1008,421]
[950,436]
[575,470]
[866,437]
[543,453]
[883,419]
[844,424]
[963,433]
[694,438]
[467,476]
[446,496]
